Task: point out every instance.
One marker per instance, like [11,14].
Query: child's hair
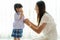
[17,5]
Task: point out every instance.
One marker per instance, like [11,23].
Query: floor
[21,39]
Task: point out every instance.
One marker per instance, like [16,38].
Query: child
[18,24]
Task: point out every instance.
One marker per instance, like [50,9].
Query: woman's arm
[34,27]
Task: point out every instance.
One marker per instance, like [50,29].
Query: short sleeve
[45,19]
[24,17]
[16,17]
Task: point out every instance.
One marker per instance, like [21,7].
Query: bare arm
[34,27]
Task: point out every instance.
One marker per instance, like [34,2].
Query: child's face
[19,10]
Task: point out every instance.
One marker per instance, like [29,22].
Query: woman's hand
[27,22]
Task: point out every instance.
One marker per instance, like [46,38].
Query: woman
[46,23]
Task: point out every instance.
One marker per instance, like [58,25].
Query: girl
[46,23]
[18,24]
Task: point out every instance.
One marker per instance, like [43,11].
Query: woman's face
[37,9]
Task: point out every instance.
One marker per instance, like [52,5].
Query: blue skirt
[17,33]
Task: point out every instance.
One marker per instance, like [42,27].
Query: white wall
[7,14]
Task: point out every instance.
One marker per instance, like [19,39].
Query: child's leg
[15,38]
[18,38]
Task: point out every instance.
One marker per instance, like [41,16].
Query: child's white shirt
[18,23]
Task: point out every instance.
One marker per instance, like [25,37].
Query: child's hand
[21,12]
[21,15]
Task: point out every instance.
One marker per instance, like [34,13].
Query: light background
[7,15]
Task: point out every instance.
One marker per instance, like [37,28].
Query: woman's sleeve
[45,19]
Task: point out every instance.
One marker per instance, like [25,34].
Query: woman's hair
[41,6]
[17,5]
